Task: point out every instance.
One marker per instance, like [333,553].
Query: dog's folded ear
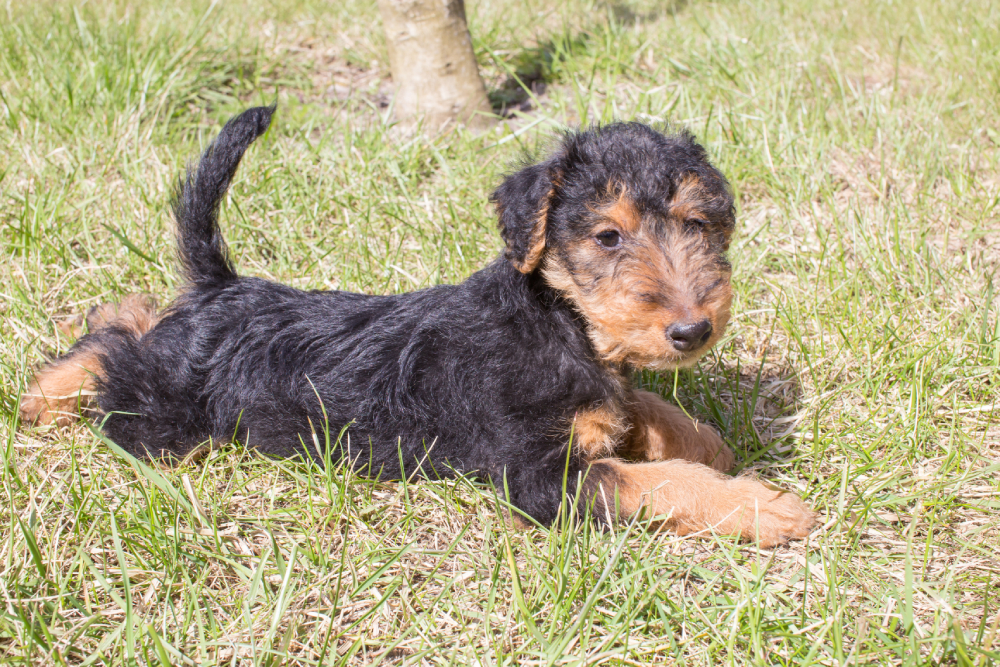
[522,202]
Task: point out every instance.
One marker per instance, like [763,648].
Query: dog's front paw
[714,452]
[771,516]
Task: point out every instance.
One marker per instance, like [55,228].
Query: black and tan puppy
[615,261]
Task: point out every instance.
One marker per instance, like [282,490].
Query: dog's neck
[531,298]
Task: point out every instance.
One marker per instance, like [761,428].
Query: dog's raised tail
[202,249]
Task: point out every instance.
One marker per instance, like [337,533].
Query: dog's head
[632,227]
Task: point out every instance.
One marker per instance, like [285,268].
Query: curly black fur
[481,377]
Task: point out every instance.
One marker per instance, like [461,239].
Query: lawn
[861,368]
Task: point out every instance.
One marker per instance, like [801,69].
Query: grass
[862,368]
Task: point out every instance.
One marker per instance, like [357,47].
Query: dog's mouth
[680,343]
[657,344]
[672,360]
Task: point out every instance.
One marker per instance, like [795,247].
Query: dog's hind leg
[63,387]
[135,313]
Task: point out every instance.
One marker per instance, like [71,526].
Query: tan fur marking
[59,388]
[537,248]
[693,498]
[661,431]
[71,327]
[688,198]
[597,433]
[627,329]
[135,312]
[623,212]
[717,309]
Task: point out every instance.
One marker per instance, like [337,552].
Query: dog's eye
[700,222]
[609,238]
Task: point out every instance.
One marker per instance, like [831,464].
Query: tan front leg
[694,498]
[661,431]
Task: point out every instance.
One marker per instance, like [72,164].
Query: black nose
[689,335]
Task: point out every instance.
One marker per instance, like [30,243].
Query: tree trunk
[433,66]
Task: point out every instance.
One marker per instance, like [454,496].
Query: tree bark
[433,67]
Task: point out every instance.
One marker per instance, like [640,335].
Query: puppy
[615,261]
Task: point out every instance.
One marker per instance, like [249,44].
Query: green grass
[862,368]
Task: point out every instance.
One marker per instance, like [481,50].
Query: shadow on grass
[757,409]
[628,13]
[532,69]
